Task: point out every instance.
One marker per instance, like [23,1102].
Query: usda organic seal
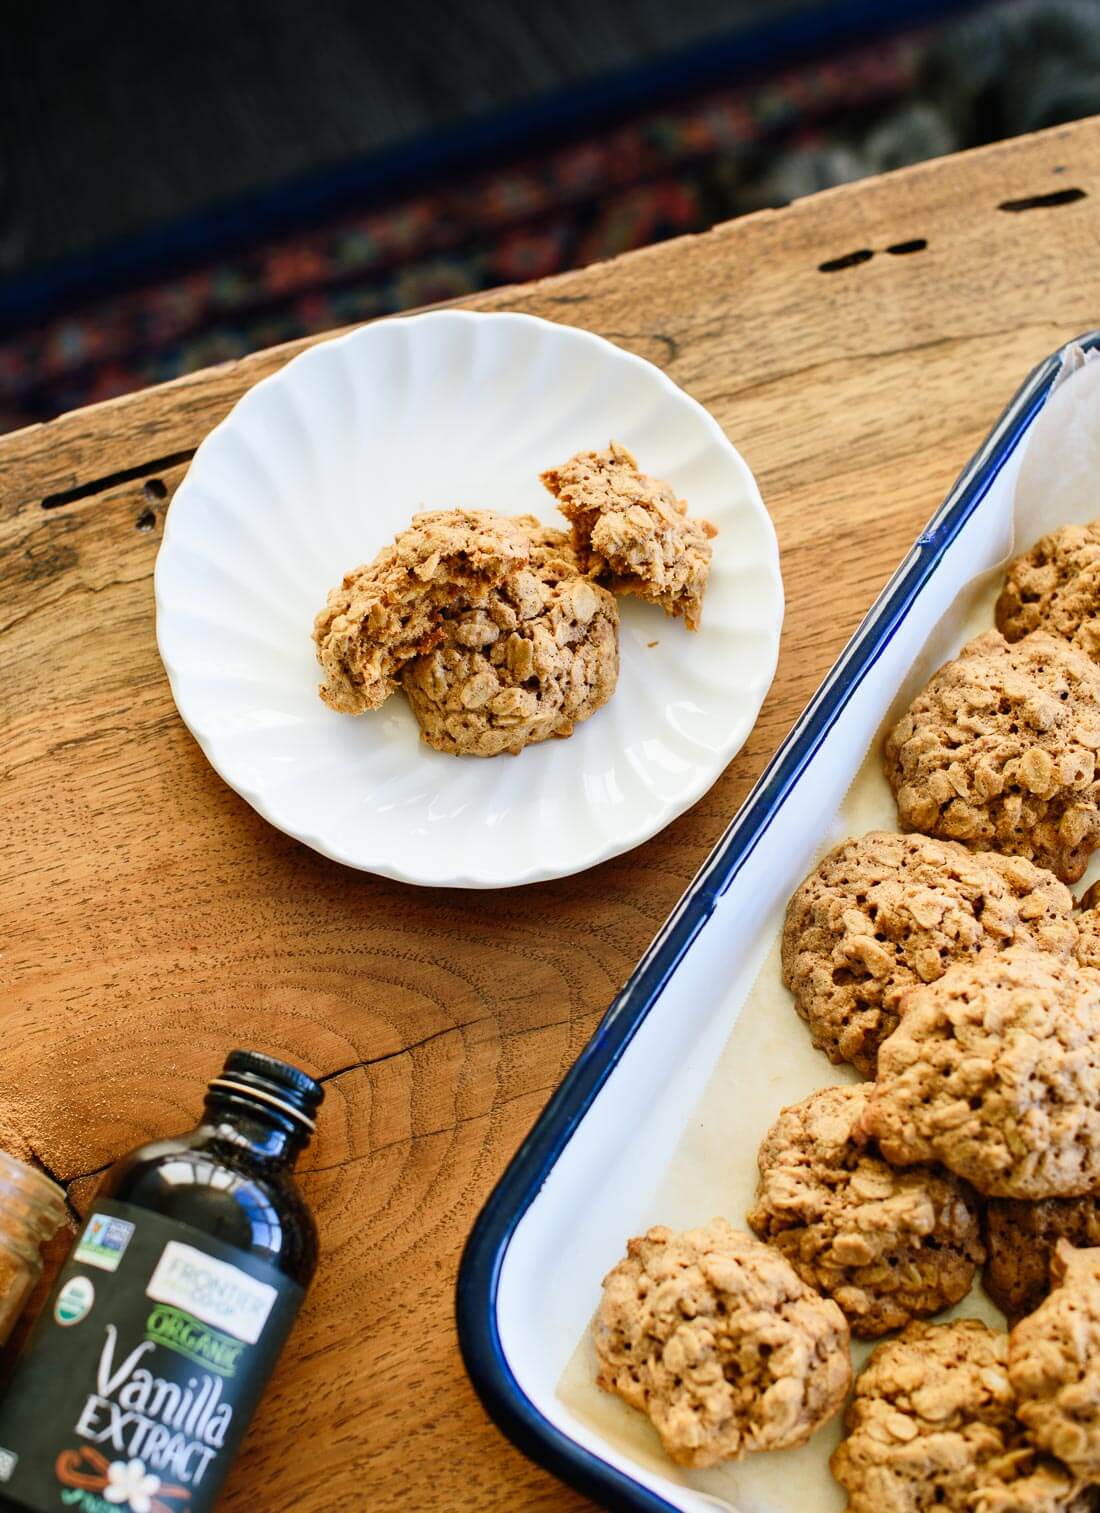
[74,1301]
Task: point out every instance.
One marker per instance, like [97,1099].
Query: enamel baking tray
[590,1172]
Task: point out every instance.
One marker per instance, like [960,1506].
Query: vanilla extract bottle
[155,1346]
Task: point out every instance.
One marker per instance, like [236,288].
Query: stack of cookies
[501,631]
[950,965]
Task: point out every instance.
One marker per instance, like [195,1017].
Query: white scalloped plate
[320,465]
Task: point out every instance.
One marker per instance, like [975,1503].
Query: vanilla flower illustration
[128,1483]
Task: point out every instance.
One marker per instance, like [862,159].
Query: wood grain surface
[152,920]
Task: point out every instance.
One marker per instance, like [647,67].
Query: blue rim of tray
[479,1273]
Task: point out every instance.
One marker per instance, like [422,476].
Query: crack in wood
[56,1180]
[447,1129]
[358,1066]
[96,1171]
[326,1077]
[669,343]
[112,480]
[903,249]
[73,588]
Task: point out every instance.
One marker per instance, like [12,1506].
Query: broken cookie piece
[390,610]
[524,660]
[717,1339]
[632,532]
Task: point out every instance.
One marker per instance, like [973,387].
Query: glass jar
[32,1210]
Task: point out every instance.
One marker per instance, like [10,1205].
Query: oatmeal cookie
[932,1426]
[1056,587]
[999,752]
[1088,927]
[1020,1238]
[714,1336]
[888,1245]
[884,912]
[994,1070]
[1054,1364]
[533,657]
[390,610]
[632,530]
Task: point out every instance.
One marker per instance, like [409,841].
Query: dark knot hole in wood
[849,260]
[1043,201]
[155,489]
[146,520]
[902,249]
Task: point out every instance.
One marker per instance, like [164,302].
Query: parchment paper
[713,1170]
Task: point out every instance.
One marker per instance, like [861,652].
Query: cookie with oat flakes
[1054,1364]
[1020,1239]
[888,1245]
[528,659]
[1056,587]
[390,610]
[932,1426]
[1088,927]
[715,1337]
[998,751]
[884,912]
[994,1071]
[632,532]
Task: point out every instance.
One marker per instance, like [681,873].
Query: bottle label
[142,1373]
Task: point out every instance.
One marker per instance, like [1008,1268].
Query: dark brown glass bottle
[155,1346]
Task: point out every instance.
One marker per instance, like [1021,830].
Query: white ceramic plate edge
[601,851]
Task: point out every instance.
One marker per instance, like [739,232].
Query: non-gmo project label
[104,1242]
[74,1301]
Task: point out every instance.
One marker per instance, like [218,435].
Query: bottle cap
[274,1084]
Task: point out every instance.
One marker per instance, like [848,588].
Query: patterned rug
[678,169]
